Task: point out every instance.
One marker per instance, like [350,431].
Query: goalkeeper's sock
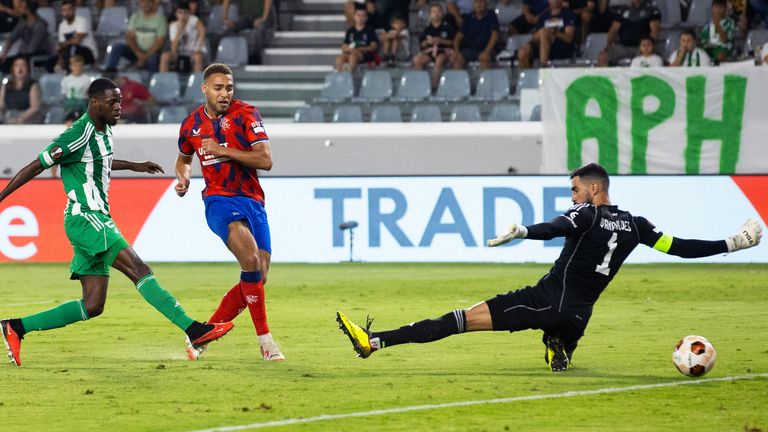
[253,291]
[67,313]
[163,301]
[230,307]
[453,322]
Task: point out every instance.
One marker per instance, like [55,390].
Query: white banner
[448,218]
[657,120]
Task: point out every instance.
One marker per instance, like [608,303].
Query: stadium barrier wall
[327,149]
[400,218]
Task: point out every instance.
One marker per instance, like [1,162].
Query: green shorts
[96,241]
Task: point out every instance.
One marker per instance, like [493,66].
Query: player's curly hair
[594,172]
[99,86]
[215,68]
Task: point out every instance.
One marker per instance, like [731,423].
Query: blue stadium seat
[426,113]
[465,113]
[386,114]
[50,88]
[113,22]
[699,12]
[594,43]
[529,79]
[454,86]
[671,44]
[49,16]
[376,86]
[536,113]
[505,112]
[172,114]
[233,51]
[215,22]
[493,85]
[165,87]
[337,87]
[309,114]
[670,13]
[414,86]
[54,115]
[347,114]
[192,92]
[755,38]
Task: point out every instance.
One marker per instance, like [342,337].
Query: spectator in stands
[457,9]
[10,11]
[600,19]
[739,9]
[396,43]
[476,41]
[640,18]
[144,40]
[583,10]
[20,96]
[31,32]
[74,86]
[360,44]
[525,23]
[136,99]
[553,38]
[187,46]
[760,8]
[436,43]
[75,37]
[717,35]
[255,16]
[688,54]
[647,57]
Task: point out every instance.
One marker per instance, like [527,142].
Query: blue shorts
[222,210]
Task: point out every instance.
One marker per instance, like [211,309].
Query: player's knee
[251,262]
[94,308]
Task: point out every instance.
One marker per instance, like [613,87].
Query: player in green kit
[84,153]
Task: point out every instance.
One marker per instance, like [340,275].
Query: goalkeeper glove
[513,231]
[748,236]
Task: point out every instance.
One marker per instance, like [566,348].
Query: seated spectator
[187,36]
[136,99]
[360,44]
[31,33]
[396,42]
[525,23]
[553,39]
[688,54]
[717,35]
[583,10]
[476,41]
[10,11]
[75,37]
[739,9]
[640,18]
[74,87]
[254,15]
[350,6]
[647,57]
[600,18]
[457,9]
[436,43]
[144,40]
[20,97]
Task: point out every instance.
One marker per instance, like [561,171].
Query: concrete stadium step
[277,91]
[276,109]
[325,22]
[285,73]
[300,56]
[306,39]
[328,6]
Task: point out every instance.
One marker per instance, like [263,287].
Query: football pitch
[126,370]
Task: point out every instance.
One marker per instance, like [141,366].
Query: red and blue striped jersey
[240,128]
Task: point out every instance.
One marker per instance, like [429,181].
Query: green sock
[67,313]
[163,301]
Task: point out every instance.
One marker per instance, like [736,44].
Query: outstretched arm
[22,177]
[147,167]
[557,227]
[748,236]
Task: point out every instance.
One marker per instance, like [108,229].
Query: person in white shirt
[187,48]
[74,87]
[74,37]
[688,54]
[646,58]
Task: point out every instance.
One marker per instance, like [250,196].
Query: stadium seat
[133,75]
[699,12]
[347,114]
[113,22]
[594,43]
[309,114]
[376,86]
[670,13]
[529,79]
[337,87]
[216,17]
[671,44]
[49,16]
[465,113]
[50,88]
[414,86]
[54,115]
[192,93]
[386,114]
[165,87]
[426,113]
[233,51]
[505,112]
[172,114]
[493,85]
[454,86]
[536,113]
[755,38]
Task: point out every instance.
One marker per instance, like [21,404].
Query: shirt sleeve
[185,147]
[574,221]
[81,25]
[70,141]
[254,127]
[647,233]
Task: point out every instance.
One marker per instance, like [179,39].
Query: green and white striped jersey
[85,157]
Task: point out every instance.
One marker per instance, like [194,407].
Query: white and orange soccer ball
[694,356]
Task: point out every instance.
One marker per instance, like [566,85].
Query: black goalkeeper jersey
[597,241]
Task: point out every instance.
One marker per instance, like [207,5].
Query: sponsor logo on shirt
[196,132]
[258,127]
[56,152]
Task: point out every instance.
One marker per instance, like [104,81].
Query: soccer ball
[694,356]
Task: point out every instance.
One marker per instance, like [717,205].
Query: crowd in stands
[177,35]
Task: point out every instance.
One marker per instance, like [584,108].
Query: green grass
[126,370]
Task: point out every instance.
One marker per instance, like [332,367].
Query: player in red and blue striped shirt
[229,139]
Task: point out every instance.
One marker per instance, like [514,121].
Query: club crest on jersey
[224,123]
[56,152]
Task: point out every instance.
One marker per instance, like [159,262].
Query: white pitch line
[323,417]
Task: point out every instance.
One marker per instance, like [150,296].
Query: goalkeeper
[598,238]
